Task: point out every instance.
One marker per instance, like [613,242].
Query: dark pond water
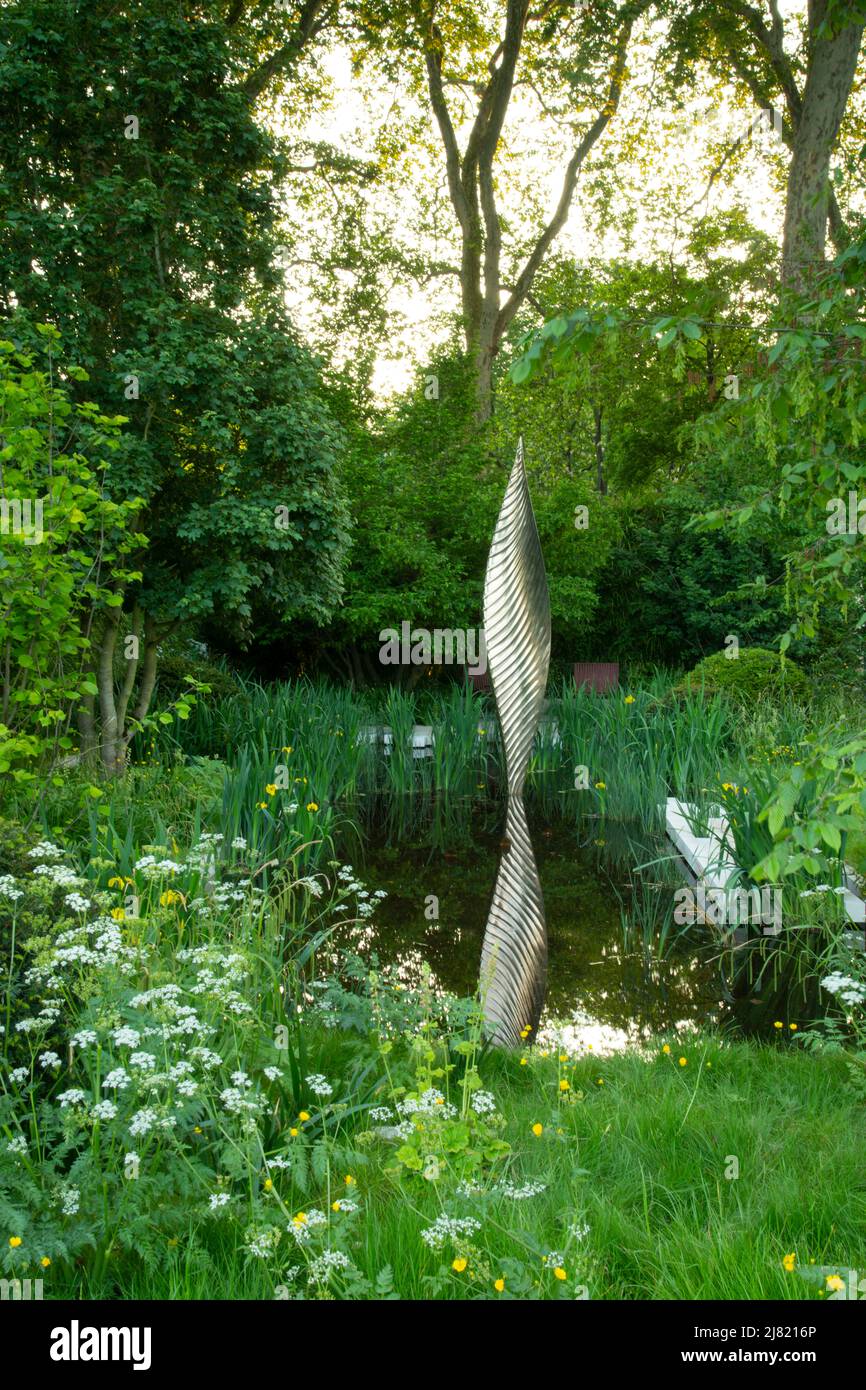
[602,987]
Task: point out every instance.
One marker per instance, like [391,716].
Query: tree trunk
[105,682]
[600,483]
[828,85]
[147,678]
[471,184]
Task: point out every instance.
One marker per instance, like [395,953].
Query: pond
[603,990]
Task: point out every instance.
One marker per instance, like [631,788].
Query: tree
[65,550]
[142,219]
[474,61]
[807,78]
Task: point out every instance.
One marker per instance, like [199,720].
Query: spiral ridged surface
[517,631]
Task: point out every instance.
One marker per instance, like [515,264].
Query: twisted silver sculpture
[517,632]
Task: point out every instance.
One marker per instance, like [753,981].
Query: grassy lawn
[635,1154]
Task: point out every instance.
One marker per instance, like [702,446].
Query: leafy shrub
[173,669]
[753,674]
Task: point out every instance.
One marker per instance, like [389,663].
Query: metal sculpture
[517,633]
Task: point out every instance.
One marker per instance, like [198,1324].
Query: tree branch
[313,16]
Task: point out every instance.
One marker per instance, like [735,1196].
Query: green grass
[641,1160]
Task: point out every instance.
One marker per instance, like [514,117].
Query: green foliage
[753,674]
[67,566]
[157,251]
[175,668]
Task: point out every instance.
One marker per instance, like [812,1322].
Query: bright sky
[533,163]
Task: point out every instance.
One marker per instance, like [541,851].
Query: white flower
[208,1059]
[117,1080]
[49,1059]
[69,1199]
[19,1075]
[126,1037]
[104,1110]
[239,842]
[319,1086]
[76,902]
[73,1097]
[84,1038]
[848,990]
[219,1199]
[142,1122]
[143,1061]
[446,1228]
[519,1194]
[17,1145]
[8,888]
[324,1265]
[484,1103]
[45,850]
[273,1073]
[59,874]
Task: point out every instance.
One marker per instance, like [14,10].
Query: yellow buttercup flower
[537,1130]
[304,1116]
[14,1241]
[349,1180]
[300,1219]
[293,1133]
[601,786]
[835,1283]
[563,1085]
[335,1206]
[684,1062]
[271,789]
[629,699]
[312,806]
[45,1262]
[793,1027]
[560,1273]
[789,1261]
[778,1025]
[459,1265]
[268,1184]
[667,1049]
[499,1285]
[118,914]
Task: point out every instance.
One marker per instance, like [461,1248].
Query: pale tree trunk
[470,176]
[812,114]
[832,64]
[108,730]
[112,738]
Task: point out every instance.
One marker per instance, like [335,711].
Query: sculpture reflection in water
[517,629]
